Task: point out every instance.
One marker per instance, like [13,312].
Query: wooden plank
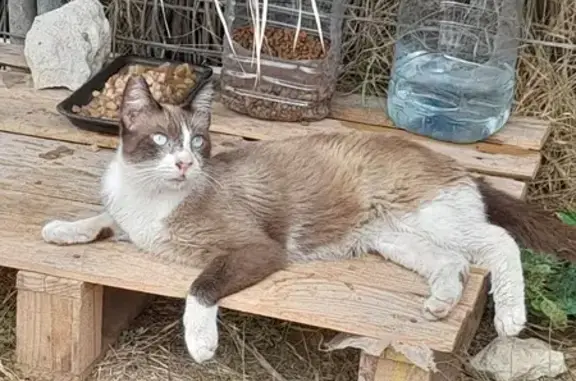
[32,112]
[48,346]
[522,132]
[505,161]
[12,55]
[72,171]
[25,215]
[515,188]
[62,170]
[379,299]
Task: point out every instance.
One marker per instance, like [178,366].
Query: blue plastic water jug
[454,68]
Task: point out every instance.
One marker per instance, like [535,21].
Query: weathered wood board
[12,55]
[37,164]
[522,132]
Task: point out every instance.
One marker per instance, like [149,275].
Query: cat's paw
[510,321]
[435,308]
[445,293]
[68,233]
[201,329]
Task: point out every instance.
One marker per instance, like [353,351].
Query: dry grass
[547,89]
[250,349]
[7,323]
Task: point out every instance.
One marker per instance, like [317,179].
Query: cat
[244,214]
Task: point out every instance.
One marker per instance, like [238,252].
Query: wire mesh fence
[188,30]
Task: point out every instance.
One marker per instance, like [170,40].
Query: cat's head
[164,145]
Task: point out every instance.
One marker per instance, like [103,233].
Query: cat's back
[354,165]
[358,154]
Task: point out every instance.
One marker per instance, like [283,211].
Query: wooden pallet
[68,309]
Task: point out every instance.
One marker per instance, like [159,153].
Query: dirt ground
[251,348]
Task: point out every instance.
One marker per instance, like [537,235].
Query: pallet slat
[521,132]
[72,171]
[13,56]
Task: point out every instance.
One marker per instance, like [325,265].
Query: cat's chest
[139,214]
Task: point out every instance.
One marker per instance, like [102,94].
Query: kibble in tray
[169,83]
[95,105]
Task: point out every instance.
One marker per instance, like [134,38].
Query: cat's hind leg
[445,271]
[81,231]
[226,274]
[456,221]
[496,250]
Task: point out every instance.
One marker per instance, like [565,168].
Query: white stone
[509,359]
[67,46]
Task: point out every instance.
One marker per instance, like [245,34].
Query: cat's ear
[202,102]
[136,99]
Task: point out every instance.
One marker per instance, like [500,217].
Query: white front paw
[66,233]
[510,321]
[201,330]
[435,308]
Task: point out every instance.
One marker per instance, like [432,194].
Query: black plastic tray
[83,95]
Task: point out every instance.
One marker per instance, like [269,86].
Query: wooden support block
[393,366]
[63,326]
[58,324]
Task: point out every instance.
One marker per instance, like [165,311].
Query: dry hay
[7,323]
[547,89]
[188,30]
[250,348]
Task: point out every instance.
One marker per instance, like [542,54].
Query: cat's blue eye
[159,139]
[197,141]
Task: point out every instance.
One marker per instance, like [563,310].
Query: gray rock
[67,46]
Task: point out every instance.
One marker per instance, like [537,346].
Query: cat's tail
[531,226]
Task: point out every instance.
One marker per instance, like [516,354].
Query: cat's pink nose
[183,165]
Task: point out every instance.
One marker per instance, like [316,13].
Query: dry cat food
[296,84]
[279,43]
[169,83]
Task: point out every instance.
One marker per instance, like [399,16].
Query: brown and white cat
[244,214]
